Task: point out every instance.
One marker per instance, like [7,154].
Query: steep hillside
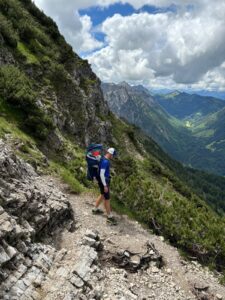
[138,107]
[189,107]
[210,130]
[52,106]
[59,89]
[187,138]
[205,118]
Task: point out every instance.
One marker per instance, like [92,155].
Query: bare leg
[99,201]
[107,207]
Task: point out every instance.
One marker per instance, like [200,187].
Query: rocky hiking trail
[53,248]
[99,261]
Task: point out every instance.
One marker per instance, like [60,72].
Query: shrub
[58,75]
[46,21]
[66,52]
[17,90]
[7,32]
[11,9]
[26,31]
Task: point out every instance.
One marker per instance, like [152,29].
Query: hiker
[103,179]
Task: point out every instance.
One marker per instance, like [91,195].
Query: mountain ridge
[185,106]
[184,134]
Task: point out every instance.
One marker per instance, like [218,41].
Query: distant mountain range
[189,107]
[214,94]
[189,127]
[136,105]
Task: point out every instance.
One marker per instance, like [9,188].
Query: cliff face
[31,208]
[79,107]
[64,86]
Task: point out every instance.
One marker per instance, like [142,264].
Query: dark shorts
[101,188]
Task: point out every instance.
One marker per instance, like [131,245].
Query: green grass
[30,57]
[9,127]
[29,151]
[68,177]
[121,209]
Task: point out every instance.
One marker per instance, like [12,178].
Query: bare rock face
[76,280]
[80,106]
[30,209]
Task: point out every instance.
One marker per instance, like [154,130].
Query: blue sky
[99,14]
[161,44]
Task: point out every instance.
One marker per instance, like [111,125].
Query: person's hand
[106,189]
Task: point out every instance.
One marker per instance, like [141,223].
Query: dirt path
[176,280]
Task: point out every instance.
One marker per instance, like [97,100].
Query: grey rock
[77,281]
[93,234]
[3,256]
[201,286]
[155,270]
[83,267]
[30,208]
[89,241]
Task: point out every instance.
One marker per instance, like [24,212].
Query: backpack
[94,155]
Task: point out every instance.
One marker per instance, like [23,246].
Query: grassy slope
[146,182]
[149,187]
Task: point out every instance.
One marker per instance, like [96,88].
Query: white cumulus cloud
[174,50]
[185,46]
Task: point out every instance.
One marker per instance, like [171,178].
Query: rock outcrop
[31,208]
[122,262]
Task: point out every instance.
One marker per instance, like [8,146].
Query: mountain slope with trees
[138,107]
[187,127]
[205,118]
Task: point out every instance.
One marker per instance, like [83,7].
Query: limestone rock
[30,209]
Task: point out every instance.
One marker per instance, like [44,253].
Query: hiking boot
[97,211]
[111,221]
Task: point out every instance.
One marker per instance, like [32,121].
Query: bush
[66,53]
[26,31]
[17,90]
[58,75]
[47,22]
[7,32]
[39,125]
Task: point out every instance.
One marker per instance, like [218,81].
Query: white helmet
[112,151]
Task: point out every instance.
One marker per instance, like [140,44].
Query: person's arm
[102,176]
